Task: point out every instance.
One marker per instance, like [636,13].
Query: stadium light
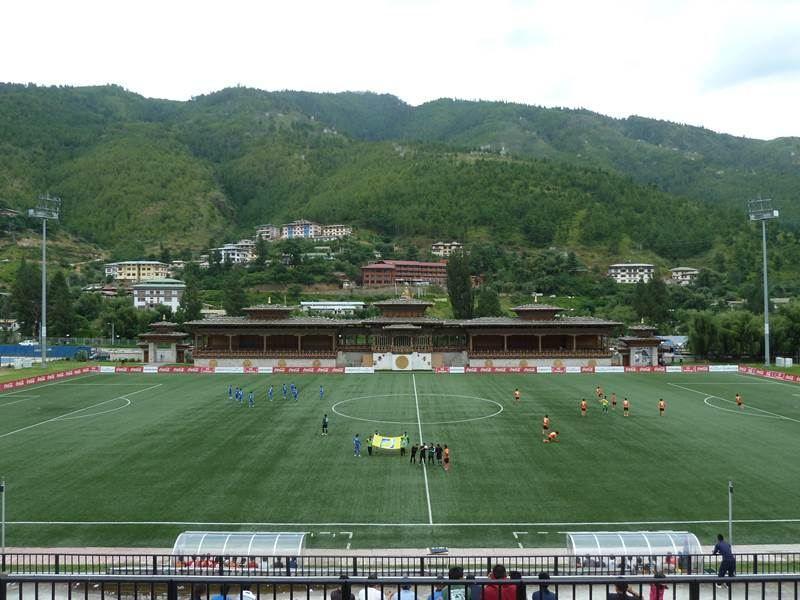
[48,209]
[761,210]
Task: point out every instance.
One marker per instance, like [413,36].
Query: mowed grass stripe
[184,453]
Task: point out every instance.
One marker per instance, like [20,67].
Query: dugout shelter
[268,547]
[632,551]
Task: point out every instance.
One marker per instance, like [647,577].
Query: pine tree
[60,307]
[191,304]
[26,299]
[459,286]
[488,303]
[234,298]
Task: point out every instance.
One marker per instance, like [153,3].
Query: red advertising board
[587,369]
[128,369]
[694,369]
[302,370]
[18,383]
[441,370]
[500,369]
[558,370]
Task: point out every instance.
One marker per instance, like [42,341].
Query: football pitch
[134,459]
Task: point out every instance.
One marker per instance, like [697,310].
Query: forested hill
[135,172]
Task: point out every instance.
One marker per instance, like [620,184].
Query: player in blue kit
[293,387]
[270,393]
[357,446]
[284,391]
[251,400]
[230,392]
[321,392]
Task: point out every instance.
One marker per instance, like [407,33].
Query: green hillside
[137,173]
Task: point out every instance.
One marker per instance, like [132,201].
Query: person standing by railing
[728,565]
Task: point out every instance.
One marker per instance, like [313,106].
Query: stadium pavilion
[402,337]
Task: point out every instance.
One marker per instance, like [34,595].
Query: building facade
[445,249]
[336,232]
[244,251]
[301,229]
[268,233]
[158,292]
[133,271]
[402,337]
[413,272]
[684,275]
[631,272]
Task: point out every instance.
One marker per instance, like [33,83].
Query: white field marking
[516,537]
[349,537]
[738,411]
[97,414]
[542,532]
[494,414]
[775,415]
[21,399]
[424,466]
[69,382]
[37,386]
[72,412]
[767,381]
[307,525]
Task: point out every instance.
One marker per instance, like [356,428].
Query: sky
[731,66]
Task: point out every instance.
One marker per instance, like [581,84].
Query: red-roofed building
[389,272]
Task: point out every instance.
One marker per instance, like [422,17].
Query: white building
[445,249]
[268,233]
[332,308]
[165,292]
[241,252]
[336,232]
[631,272]
[301,229]
[684,275]
[137,270]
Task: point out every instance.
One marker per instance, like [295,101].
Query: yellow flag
[387,442]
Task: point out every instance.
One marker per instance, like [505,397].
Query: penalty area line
[424,466]
[346,524]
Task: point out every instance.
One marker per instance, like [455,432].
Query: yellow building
[135,271]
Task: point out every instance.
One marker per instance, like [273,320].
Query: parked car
[99,355]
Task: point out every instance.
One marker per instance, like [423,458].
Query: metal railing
[355,565]
[143,587]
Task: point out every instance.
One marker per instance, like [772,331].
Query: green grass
[181,452]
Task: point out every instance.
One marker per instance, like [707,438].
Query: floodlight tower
[47,209]
[761,210]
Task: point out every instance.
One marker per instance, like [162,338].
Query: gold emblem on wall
[558,363]
[592,362]
[366,360]
[316,363]
[247,363]
[401,362]
[213,363]
[281,362]
[488,363]
[523,363]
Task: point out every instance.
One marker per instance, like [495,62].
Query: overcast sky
[726,65]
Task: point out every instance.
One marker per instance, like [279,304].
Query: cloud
[756,59]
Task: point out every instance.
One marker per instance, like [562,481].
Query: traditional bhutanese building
[640,347]
[402,337]
[163,344]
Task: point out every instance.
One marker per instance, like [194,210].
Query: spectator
[406,593]
[622,592]
[521,589]
[728,565]
[438,592]
[455,592]
[543,593]
[499,592]
[657,589]
[474,589]
[343,593]
[373,590]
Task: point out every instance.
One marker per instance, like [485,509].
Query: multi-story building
[137,270]
[301,229]
[268,233]
[631,272]
[684,275]
[336,232]
[165,292]
[389,272]
[241,252]
[445,249]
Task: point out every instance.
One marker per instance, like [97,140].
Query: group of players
[237,393]
[549,436]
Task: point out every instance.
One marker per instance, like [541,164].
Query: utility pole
[761,210]
[730,512]
[3,518]
[47,209]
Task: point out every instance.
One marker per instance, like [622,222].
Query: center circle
[498,408]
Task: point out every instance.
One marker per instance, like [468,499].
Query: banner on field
[501,369]
[387,442]
[311,370]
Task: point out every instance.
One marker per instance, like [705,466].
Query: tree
[60,307]
[703,333]
[26,299]
[233,298]
[191,304]
[488,303]
[262,252]
[459,286]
